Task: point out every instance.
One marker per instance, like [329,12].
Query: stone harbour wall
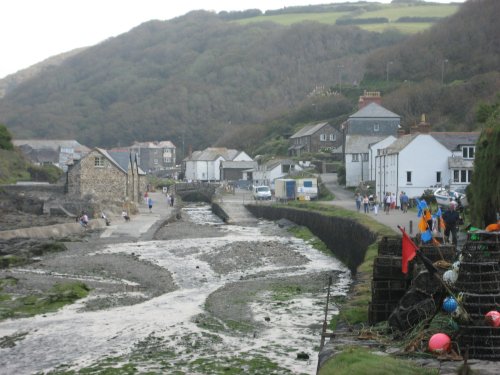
[347,239]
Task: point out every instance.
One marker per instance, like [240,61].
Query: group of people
[368,203]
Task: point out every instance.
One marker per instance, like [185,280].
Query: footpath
[142,226]
[345,199]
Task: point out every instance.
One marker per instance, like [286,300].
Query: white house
[206,165]
[268,172]
[420,161]
[462,146]
[373,151]
[357,161]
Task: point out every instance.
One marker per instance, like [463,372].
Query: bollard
[411,226]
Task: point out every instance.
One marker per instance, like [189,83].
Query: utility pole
[387,69]
[340,67]
[445,61]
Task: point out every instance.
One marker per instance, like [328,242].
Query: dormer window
[468,152]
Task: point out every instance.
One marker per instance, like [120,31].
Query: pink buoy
[493,318]
[440,343]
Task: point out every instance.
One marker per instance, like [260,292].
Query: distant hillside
[15,79]
[188,79]
[204,79]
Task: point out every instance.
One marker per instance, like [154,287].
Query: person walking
[451,218]
[387,203]
[358,201]
[375,206]
[404,202]
[150,204]
[366,204]
[172,200]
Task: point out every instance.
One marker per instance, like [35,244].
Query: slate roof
[453,140]
[356,144]
[309,130]
[401,143]
[53,144]
[238,164]
[374,110]
[213,153]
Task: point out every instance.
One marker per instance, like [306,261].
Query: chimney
[423,127]
[190,151]
[369,97]
[400,133]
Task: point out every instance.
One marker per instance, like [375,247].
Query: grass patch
[285,292]
[306,235]
[361,361]
[57,297]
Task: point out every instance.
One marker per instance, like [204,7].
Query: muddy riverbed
[202,298]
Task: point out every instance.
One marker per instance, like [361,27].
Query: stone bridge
[196,191]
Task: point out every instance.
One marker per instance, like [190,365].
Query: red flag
[409,250]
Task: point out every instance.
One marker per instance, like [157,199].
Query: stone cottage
[113,176]
[315,138]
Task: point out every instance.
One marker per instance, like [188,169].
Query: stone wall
[347,239]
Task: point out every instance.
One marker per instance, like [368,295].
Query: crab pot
[379,312]
[477,305]
[434,253]
[388,268]
[403,318]
[483,342]
[482,246]
[390,246]
[479,277]
[388,290]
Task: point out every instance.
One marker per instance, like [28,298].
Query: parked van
[262,192]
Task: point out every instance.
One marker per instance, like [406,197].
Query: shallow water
[80,338]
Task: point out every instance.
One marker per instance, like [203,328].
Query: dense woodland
[203,80]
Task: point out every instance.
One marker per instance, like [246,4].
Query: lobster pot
[479,277]
[388,268]
[412,309]
[442,252]
[380,311]
[477,305]
[482,246]
[388,290]
[390,246]
[483,342]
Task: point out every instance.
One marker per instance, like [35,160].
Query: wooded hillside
[202,80]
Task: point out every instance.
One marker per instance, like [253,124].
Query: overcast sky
[33,30]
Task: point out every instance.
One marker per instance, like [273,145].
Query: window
[408,177]
[462,175]
[333,137]
[376,127]
[99,161]
[355,157]
[365,157]
[155,161]
[438,177]
[468,152]
[322,137]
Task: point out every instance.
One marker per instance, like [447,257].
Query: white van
[262,192]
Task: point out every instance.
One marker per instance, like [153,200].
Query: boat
[444,197]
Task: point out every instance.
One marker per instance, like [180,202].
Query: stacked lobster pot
[478,284]
[389,283]
[423,297]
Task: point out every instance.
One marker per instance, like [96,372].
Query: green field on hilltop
[389,11]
